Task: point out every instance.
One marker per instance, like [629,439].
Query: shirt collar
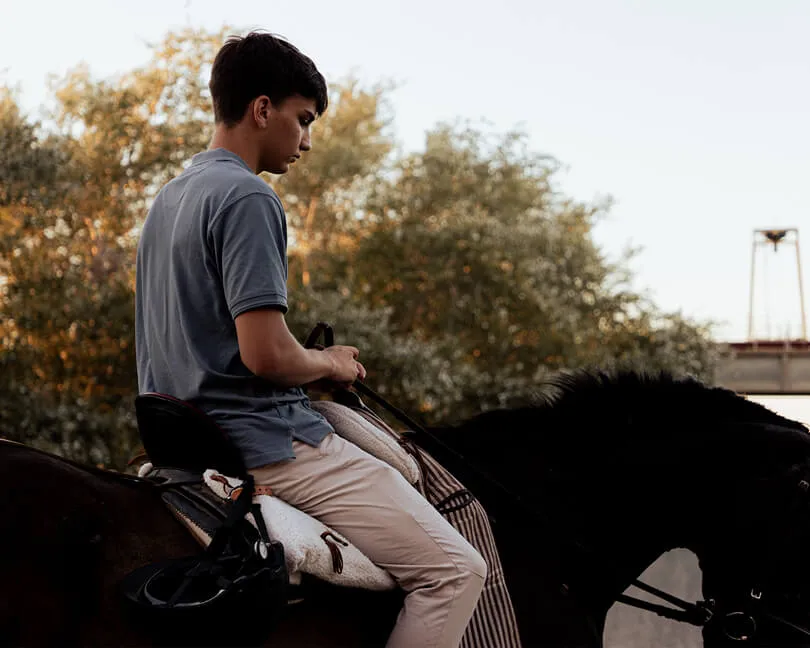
[219,154]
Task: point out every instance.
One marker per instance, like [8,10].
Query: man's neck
[237,141]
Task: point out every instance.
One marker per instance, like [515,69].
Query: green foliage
[461,272]
[69,223]
[421,377]
[324,195]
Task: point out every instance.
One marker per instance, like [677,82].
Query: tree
[29,160]
[463,274]
[471,248]
[417,375]
[324,197]
[69,239]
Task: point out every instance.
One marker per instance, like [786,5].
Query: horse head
[754,558]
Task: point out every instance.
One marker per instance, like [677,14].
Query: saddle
[201,474]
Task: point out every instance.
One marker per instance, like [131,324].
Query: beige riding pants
[386,518]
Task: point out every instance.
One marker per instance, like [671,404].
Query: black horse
[585,489]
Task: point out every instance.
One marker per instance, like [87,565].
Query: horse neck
[628,503]
[537,537]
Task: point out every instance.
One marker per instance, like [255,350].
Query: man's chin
[279,169]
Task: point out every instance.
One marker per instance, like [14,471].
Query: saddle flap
[176,434]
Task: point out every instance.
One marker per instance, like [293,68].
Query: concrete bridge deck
[766,367]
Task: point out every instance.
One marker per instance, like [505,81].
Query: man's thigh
[370,503]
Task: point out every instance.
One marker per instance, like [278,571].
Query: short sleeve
[249,240]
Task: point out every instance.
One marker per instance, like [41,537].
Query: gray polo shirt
[214,245]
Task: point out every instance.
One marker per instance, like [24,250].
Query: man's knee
[472,568]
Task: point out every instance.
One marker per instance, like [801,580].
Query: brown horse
[585,490]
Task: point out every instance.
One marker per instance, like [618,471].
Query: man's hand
[345,367]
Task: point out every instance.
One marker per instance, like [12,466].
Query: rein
[698,614]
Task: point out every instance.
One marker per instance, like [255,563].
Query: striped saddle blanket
[493,624]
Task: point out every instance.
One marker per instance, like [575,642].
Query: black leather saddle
[175,434]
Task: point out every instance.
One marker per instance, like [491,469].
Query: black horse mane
[596,406]
[592,428]
[605,394]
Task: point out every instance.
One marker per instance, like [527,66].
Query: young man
[210,329]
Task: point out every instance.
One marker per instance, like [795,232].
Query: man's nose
[306,143]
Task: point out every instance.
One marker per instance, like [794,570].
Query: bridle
[739,625]
[742,624]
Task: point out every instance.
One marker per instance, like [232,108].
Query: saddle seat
[176,434]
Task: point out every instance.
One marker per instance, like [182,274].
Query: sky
[789,406]
[692,115]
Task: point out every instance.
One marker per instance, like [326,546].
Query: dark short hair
[261,64]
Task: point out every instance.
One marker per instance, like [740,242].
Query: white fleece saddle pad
[362,433]
[309,546]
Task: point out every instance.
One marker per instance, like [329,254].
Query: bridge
[766,367]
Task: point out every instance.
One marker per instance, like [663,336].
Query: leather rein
[700,613]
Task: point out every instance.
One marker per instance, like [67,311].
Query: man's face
[285,133]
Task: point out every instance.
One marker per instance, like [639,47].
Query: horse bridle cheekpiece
[742,625]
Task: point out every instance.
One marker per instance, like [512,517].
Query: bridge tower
[768,366]
[763,238]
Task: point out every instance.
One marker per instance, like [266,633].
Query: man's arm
[270,351]
[249,239]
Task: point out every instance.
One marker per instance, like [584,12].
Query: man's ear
[261,110]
